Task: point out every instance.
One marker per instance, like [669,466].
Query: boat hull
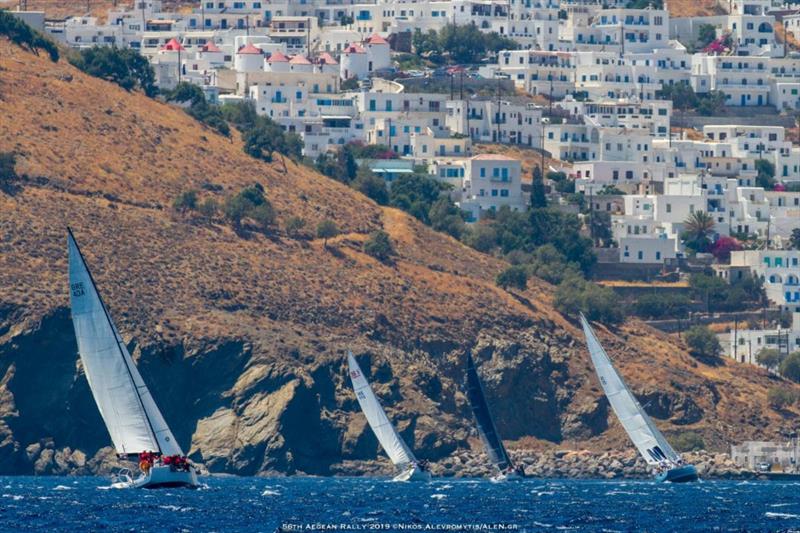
[501,478]
[159,477]
[681,474]
[413,474]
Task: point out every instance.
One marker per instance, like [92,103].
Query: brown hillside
[61,9]
[241,339]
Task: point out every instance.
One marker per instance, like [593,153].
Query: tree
[350,84]
[371,186]
[208,208]
[794,240]
[538,197]
[8,162]
[123,66]
[697,230]
[415,194]
[185,201]
[481,236]
[655,305]
[514,276]
[250,203]
[21,34]
[766,174]
[547,263]
[327,229]
[459,44]
[444,216]
[711,103]
[790,367]
[682,95]
[769,358]
[702,342]
[706,35]
[574,294]
[379,245]
[294,225]
[780,397]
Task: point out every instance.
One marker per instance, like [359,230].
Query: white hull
[413,474]
[157,477]
[500,478]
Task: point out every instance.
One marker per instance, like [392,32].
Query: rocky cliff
[242,338]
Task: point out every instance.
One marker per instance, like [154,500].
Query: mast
[118,339]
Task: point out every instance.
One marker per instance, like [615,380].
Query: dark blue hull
[681,474]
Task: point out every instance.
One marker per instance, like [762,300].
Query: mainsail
[131,416]
[480,408]
[387,435]
[644,434]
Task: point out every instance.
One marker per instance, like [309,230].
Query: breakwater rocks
[587,464]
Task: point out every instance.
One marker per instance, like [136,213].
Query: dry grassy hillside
[242,339]
[61,9]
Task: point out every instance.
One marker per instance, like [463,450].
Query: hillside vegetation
[242,336]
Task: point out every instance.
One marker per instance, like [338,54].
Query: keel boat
[390,440]
[486,428]
[653,447]
[134,422]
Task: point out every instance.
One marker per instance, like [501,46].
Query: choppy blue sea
[45,504]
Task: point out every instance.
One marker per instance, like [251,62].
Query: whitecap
[444,487]
[438,496]
[542,524]
[780,504]
[769,514]
[15,497]
[269,492]
[62,487]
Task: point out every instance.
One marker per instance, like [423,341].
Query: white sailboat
[651,444]
[391,441]
[133,420]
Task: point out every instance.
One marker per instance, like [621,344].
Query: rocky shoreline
[560,464]
[585,464]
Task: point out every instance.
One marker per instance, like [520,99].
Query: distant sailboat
[391,441]
[133,420]
[486,428]
[640,428]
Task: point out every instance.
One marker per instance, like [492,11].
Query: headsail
[131,416]
[480,408]
[644,434]
[387,435]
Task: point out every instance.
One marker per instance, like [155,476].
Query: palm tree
[697,230]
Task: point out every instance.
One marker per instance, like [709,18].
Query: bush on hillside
[371,186]
[781,397]
[688,441]
[327,229]
[515,277]
[123,66]
[187,200]
[294,226]
[790,367]
[655,305]
[24,35]
[702,342]
[770,358]
[574,294]
[199,108]
[250,203]
[379,245]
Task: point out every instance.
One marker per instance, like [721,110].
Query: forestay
[387,435]
[486,428]
[644,434]
[128,410]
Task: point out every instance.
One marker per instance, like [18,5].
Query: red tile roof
[173,46]
[249,49]
[277,57]
[299,59]
[210,47]
[376,39]
[326,59]
[354,49]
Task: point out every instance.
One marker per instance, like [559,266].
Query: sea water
[225,504]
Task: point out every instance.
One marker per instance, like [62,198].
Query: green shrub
[123,66]
[24,35]
[371,186]
[656,305]
[547,263]
[8,162]
[790,367]
[688,441]
[187,200]
[250,203]
[294,225]
[514,276]
[379,245]
[327,229]
[781,397]
[574,294]
[703,342]
[770,358]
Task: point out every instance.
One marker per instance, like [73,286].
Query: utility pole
[736,337]
[452,88]
[497,115]
[203,13]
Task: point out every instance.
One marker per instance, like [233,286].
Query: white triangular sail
[387,435]
[644,434]
[131,416]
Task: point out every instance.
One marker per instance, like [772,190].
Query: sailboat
[651,444]
[486,428]
[134,422]
[391,441]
